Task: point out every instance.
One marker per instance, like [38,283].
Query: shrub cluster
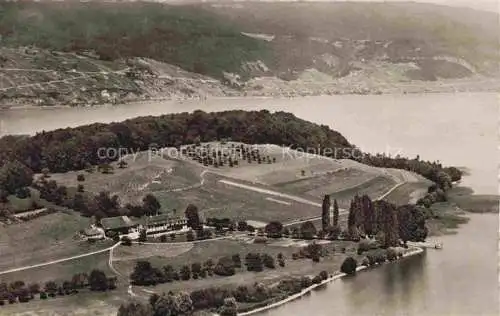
[21,292]
[145,274]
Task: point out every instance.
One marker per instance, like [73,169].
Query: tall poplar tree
[325,215]
[335,213]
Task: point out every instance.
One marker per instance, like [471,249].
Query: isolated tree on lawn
[14,175]
[349,266]
[150,205]
[325,214]
[98,281]
[193,218]
[274,229]
[308,230]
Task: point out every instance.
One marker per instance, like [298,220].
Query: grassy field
[217,249]
[408,193]
[222,200]
[341,178]
[61,271]
[288,166]
[132,183]
[43,239]
[21,205]
[126,253]
[373,188]
[327,183]
[83,304]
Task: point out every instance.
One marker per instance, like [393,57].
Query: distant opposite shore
[271,88]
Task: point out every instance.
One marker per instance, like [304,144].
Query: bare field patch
[43,239]
[144,251]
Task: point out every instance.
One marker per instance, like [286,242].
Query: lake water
[457,129]
[460,279]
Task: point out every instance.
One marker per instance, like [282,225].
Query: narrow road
[110,262]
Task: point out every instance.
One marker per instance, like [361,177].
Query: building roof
[117,222]
[159,219]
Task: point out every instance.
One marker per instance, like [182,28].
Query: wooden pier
[426,244]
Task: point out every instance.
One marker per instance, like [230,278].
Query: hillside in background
[95,52]
[303,32]
[187,37]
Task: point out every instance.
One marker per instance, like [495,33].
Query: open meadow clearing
[327,183]
[61,271]
[374,188]
[407,193]
[142,174]
[83,304]
[144,251]
[216,249]
[46,238]
[216,199]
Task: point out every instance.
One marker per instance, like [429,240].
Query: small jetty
[432,245]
